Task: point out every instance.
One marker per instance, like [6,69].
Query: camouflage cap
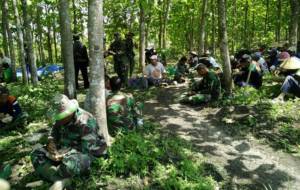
[63,106]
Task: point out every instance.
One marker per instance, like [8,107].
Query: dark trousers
[131,65]
[291,86]
[84,73]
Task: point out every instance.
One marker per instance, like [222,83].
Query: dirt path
[250,163]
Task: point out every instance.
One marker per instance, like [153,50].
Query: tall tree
[29,43]
[40,32]
[97,87]
[224,45]
[20,42]
[142,34]
[165,22]
[67,49]
[49,44]
[10,42]
[294,22]
[4,27]
[202,27]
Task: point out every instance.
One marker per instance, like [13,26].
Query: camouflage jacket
[122,111]
[209,85]
[80,134]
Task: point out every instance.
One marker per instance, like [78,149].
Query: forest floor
[250,163]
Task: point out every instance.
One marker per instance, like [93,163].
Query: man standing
[72,145]
[129,45]
[81,61]
[117,49]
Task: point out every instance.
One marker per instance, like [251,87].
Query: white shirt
[155,71]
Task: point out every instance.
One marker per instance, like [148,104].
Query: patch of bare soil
[250,164]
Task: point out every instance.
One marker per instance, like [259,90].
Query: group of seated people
[74,141]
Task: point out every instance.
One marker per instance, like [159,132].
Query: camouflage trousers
[73,164]
[196,99]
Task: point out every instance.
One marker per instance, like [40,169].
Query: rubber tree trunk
[49,44]
[67,49]
[278,22]
[202,27]
[4,27]
[10,42]
[97,75]
[142,36]
[55,39]
[165,21]
[20,42]
[294,23]
[29,43]
[267,17]
[40,33]
[224,46]
[160,34]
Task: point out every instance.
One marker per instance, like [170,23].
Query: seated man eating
[209,89]
[72,146]
[155,72]
[122,110]
[11,115]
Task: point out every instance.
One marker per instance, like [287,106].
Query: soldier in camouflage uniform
[122,111]
[121,63]
[209,89]
[72,145]
[11,115]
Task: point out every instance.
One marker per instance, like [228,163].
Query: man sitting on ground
[122,110]
[155,72]
[11,115]
[73,144]
[209,89]
[181,70]
[291,85]
[249,73]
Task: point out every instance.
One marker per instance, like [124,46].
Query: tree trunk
[224,46]
[74,17]
[278,22]
[49,45]
[29,43]
[4,27]
[97,88]
[246,42]
[294,23]
[40,33]
[67,49]
[54,40]
[235,29]
[202,27]
[267,17]
[20,43]
[142,36]
[165,21]
[11,43]
[160,34]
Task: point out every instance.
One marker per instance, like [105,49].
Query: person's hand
[56,157]
[7,119]
[51,147]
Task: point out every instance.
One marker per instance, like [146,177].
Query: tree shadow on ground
[203,127]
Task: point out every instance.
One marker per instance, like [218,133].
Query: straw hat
[291,64]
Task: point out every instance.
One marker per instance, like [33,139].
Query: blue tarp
[43,71]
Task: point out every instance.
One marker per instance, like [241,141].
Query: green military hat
[64,107]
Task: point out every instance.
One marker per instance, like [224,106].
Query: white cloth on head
[155,72]
[5,60]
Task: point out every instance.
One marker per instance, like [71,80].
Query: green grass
[139,159]
[278,123]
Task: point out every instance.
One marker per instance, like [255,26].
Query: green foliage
[167,162]
[36,100]
[255,112]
